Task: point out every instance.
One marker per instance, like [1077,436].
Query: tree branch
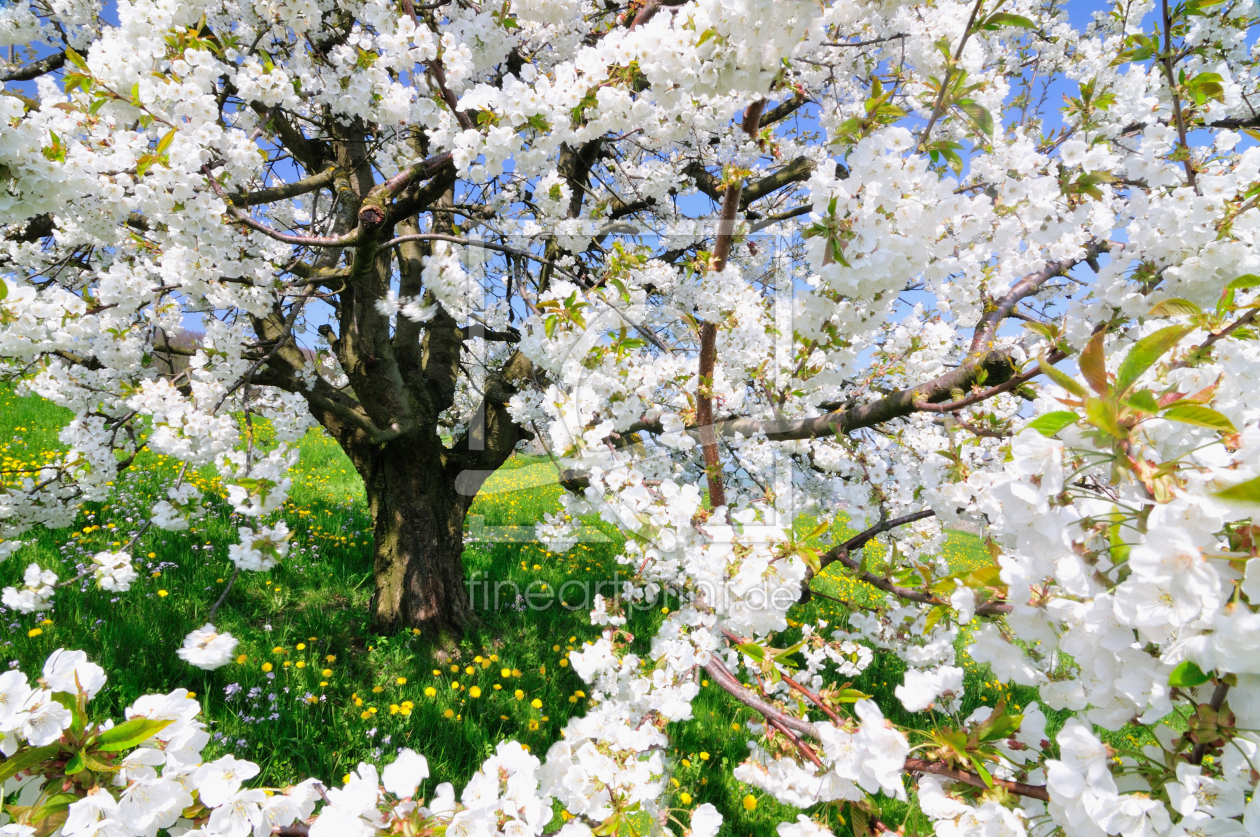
[1019,788]
[986,329]
[708,331]
[285,190]
[36,68]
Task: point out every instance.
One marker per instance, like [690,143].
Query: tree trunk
[418,520]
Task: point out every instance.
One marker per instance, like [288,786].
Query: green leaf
[851,696]
[1245,492]
[979,115]
[1063,379]
[1039,328]
[1200,416]
[4,290]
[1247,280]
[1050,424]
[779,654]
[1102,414]
[1144,354]
[934,616]
[77,710]
[1002,727]
[129,734]
[1175,308]
[165,142]
[1187,675]
[993,21]
[1144,401]
[25,759]
[77,763]
[753,650]
[53,810]
[76,59]
[984,774]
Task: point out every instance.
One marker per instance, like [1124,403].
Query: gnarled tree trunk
[418,520]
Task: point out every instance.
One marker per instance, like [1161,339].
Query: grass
[314,692]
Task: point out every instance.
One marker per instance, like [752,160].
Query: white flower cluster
[147,774]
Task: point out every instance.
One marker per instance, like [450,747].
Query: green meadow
[314,691]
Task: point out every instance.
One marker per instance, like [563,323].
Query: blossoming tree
[733,262]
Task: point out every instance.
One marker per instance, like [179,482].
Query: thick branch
[309,152]
[1178,117]
[797,170]
[992,365]
[345,240]
[723,677]
[41,226]
[783,110]
[285,190]
[35,69]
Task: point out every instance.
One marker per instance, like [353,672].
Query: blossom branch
[1179,119]
[708,330]
[986,329]
[1019,788]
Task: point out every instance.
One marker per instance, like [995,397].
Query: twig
[226,590]
[921,766]
[939,107]
[1178,116]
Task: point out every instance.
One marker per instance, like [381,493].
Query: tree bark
[418,522]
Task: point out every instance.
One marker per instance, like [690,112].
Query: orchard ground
[313,692]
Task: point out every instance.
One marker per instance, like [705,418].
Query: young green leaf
[993,21]
[1144,354]
[165,142]
[1050,424]
[130,733]
[23,759]
[1201,416]
[1187,675]
[1064,380]
[1102,414]
[1245,492]
[1175,308]
[753,650]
